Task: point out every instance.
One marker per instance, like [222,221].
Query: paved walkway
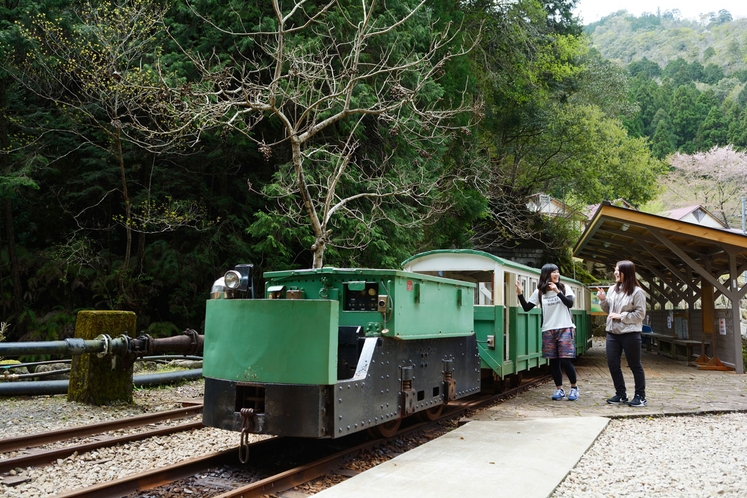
[525,446]
[672,387]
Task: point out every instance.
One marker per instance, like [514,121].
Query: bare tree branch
[328,88]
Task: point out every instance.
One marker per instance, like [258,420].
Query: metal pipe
[60,386]
[170,357]
[189,343]
[72,346]
[20,377]
[10,366]
[166,378]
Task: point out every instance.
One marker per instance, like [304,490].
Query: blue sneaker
[559,394]
[573,395]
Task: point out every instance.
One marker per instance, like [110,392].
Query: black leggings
[557,375]
[630,344]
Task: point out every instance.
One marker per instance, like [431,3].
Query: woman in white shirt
[558,329]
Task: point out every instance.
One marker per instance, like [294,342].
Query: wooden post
[106,380]
[708,308]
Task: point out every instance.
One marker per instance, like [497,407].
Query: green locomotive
[330,352]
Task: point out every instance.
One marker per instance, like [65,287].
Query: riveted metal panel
[296,411]
[375,394]
[372,396]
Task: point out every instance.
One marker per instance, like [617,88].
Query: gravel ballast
[21,416]
[677,456]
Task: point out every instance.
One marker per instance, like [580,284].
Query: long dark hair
[629,282]
[544,282]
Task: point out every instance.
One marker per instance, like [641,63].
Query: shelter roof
[661,247]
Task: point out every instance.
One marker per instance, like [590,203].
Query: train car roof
[472,260]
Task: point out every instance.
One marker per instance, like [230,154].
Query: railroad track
[32,456]
[262,472]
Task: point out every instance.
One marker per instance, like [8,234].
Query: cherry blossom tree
[716,179]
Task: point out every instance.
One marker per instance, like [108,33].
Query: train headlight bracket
[240,279]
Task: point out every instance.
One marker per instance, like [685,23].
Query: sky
[593,10]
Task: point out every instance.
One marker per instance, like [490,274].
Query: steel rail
[31,440]
[163,475]
[37,459]
[154,478]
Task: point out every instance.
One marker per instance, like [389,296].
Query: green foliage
[685,114]
[372,149]
[605,86]
[277,242]
[664,140]
[114,179]
[560,17]
[697,100]
[712,131]
[151,216]
[51,326]
[645,67]
[552,125]
[712,74]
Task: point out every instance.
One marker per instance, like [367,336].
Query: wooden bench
[673,347]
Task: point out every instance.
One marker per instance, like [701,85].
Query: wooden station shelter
[690,272]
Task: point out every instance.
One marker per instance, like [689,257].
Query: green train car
[509,339]
[330,352]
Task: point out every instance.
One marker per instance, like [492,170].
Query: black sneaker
[638,401]
[618,399]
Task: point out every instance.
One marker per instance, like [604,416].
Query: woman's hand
[616,316]
[601,294]
[519,290]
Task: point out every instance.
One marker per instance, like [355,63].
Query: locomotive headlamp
[232,279]
[240,279]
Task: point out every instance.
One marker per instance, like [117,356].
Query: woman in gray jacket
[625,305]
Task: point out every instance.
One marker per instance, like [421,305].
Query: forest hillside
[687,81]
[662,38]
[146,147]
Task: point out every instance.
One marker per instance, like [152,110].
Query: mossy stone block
[106,380]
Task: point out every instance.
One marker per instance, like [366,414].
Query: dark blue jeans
[630,344]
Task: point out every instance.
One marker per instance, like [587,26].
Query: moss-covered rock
[7,368]
[54,367]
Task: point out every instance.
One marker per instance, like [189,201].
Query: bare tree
[337,77]
[716,179]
